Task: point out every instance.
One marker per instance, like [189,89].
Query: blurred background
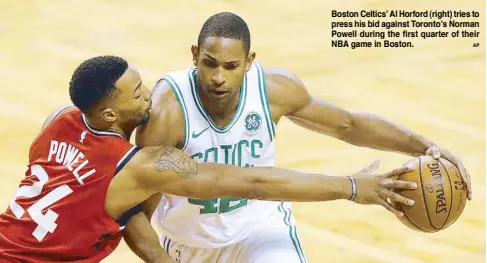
[436,88]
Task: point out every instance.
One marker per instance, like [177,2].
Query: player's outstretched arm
[361,129]
[168,170]
[289,97]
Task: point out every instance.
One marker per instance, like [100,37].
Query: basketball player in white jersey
[225,109]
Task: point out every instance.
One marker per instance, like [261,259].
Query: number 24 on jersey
[45,222]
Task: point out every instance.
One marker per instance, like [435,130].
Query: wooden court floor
[436,89]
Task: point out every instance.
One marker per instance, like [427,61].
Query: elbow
[256,188]
[344,130]
[359,127]
[258,193]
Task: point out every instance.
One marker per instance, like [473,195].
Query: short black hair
[94,80]
[227,25]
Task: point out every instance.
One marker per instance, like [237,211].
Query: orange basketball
[439,198]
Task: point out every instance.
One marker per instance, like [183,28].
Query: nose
[146,93]
[218,78]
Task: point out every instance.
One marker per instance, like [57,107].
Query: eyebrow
[227,62]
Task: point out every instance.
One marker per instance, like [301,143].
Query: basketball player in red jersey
[85,181]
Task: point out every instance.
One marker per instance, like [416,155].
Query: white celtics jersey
[248,140]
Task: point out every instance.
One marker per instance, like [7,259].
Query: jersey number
[218,205]
[45,222]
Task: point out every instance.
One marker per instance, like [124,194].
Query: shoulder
[281,75]
[55,114]
[164,99]
[285,90]
[166,122]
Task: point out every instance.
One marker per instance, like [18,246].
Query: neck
[103,126]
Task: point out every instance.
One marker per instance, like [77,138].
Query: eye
[231,66]
[209,63]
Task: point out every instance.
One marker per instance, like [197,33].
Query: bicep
[163,169]
[287,94]
[171,171]
[151,170]
[298,105]
[322,115]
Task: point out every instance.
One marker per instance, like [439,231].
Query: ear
[194,51]
[109,115]
[249,60]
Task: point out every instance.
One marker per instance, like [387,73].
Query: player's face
[132,100]
[222,63]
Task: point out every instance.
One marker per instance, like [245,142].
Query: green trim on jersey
[292,234]
[265,102]
[180,98]
[204,113]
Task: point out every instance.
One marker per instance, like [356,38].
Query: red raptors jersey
[58,212]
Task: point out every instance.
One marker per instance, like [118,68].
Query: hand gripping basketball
[376,188]
[439,152]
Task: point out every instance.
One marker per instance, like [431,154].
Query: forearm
[266,183]
[372,131]
[143,241]
[360,129]
[171,171]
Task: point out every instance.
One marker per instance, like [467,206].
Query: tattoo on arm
[182,165]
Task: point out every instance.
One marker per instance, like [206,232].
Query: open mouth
[219,93]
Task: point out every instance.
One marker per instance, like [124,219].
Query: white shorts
[278,241]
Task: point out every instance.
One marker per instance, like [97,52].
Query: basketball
[439,198]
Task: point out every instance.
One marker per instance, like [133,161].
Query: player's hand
[437,152]
[376,188]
